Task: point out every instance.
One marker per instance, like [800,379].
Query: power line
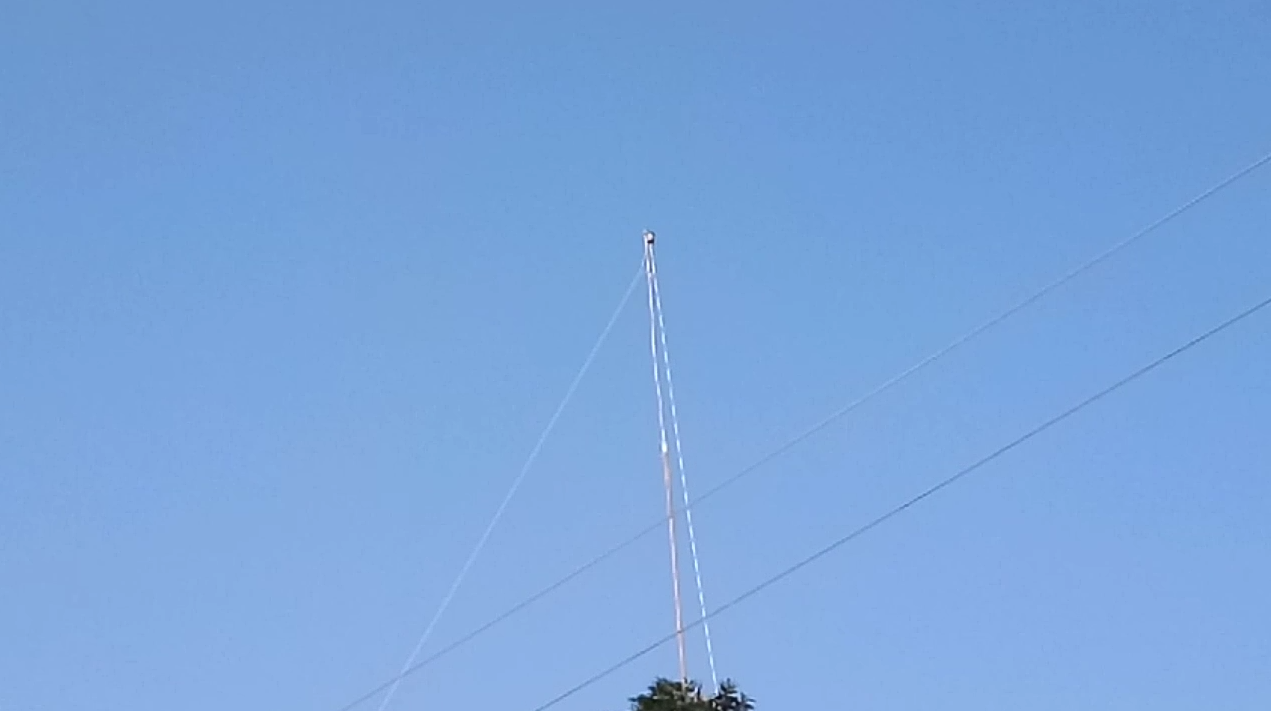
[989,324]
[826,422]
[930,491]
[507,497]
[507,614]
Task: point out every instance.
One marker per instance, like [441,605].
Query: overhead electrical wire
[828,420]
[528,464]
[926,493]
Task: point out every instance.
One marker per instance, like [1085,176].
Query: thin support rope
[667,482]
[511,492]
[679,454]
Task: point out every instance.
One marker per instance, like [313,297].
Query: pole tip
[649,236]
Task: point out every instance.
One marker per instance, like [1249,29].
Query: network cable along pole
[664,386]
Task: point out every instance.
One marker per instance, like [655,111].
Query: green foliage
[667,695]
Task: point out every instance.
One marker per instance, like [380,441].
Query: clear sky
[287,291]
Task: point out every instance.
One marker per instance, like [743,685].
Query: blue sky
[288,290]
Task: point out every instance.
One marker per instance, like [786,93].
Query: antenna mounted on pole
[664,386]
[667,481]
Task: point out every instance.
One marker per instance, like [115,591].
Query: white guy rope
[511,492]
[688,509]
